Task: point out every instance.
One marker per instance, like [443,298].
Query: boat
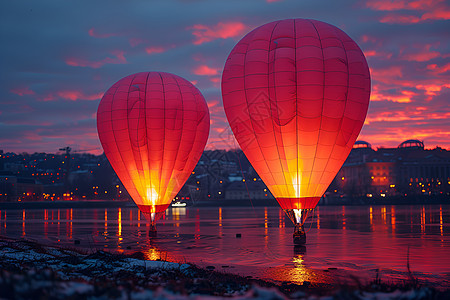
[178,204]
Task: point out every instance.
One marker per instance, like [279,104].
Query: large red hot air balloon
[296,94]
[153,127]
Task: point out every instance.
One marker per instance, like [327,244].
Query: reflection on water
[348,238]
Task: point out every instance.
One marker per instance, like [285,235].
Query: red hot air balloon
[296,94]
[153,127]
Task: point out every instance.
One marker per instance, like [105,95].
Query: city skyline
[58,60]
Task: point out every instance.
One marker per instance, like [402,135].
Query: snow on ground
[29,270]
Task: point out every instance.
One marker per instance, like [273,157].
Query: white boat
[178,204]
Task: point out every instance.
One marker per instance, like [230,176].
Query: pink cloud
[215,81]
[431,90]
[22,91]
[411,19]
[431,137]
[32,136]
[205,33]
[391,123]
[72,95]
[79,62]
[375,53]
[135,42]
[100,35]
[425,56]
[367,38]
[152,50]
[437,14]
[391,5]
[423,10]
[400,19]
[385,4]
[199,57]
[405,97]
[439,70]
[22,121]
[393,116]
[213,103]
[216,110]
[387,75]
[204,70]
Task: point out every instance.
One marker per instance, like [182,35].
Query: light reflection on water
[356,239]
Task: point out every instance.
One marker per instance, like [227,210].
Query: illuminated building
[408,169]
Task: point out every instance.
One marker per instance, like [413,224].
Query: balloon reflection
[318,219]
[422,220]
[440,223]
[139,218]
[119,223]
[176,213]
[59,224]
[299,273]
[266,229]
[220,222]
[153,253]
[197,225]
[393,219]
[70,224]
[281,222]
[105,232]
[296,271]
[4,220]
[23,223]
[344,220]
[46,222]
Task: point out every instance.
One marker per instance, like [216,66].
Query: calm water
[341,240]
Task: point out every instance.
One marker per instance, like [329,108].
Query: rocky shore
[30,270]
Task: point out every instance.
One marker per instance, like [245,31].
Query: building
[14,188]
[408,169]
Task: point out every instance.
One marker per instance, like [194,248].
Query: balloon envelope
[296,94]
[153,127]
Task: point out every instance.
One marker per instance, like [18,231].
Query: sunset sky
[59,57]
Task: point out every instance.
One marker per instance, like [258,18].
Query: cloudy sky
[57,59]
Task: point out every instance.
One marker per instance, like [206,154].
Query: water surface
[342,241]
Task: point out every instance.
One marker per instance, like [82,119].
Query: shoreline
[29,268]
[225,203]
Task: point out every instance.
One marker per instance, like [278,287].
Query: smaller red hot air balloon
[153,127]
[296,94]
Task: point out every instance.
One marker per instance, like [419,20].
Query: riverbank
[31,270]
[67,204]
[270,202]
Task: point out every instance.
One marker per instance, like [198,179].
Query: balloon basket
[299,235]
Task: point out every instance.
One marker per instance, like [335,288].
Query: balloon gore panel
[296,93]
[153,127]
